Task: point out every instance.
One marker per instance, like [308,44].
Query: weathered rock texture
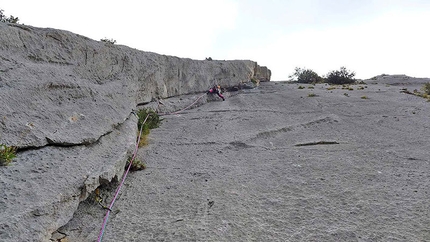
[66,102]
[274,164]
[262,73]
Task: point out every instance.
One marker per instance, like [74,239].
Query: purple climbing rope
[99,238]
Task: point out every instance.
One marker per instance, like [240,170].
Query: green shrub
[152,122]
[301,87]
[303,75]
[312,95]
[5,19]
[342,76]
[7,154]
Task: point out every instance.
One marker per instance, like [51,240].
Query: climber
[216,89]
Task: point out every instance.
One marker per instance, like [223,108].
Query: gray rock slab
[57,87]
[41,190]
[65,103]
[273,164]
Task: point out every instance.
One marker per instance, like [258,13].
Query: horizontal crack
[88,141]
[318,143]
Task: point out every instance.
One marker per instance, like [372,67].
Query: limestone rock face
[62,97]
[62,88]
[262,73]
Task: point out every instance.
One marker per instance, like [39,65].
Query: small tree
[343,76]
[5,19]
[303,75]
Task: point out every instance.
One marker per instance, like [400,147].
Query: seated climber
[216,90]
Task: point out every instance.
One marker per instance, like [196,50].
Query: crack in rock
[318,143]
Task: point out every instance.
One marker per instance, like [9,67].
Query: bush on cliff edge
[337,77]
[5,19]
[303,75]
[340,77]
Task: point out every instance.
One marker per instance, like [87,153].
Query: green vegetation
[364,97]
[152,122]
[424,94]
[303,75]
[426,88]
[342,76]
[7,154]
[312,95]
[254,80]
[301,87]
[136,165]
[10,19]
[143,140]
[337,77]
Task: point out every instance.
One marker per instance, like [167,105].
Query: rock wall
[262,73]
[66,103]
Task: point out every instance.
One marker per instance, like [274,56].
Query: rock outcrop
[262,73]
[66,103]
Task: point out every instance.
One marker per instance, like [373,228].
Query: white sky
[370,37]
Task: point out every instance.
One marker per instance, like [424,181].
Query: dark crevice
[318,143]
[85,142]
[143,103]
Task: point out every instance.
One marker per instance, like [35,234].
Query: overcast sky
[370,37]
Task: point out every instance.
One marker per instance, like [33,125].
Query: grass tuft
[7,154]
[136,165]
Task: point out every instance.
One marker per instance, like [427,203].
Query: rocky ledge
[66,103]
